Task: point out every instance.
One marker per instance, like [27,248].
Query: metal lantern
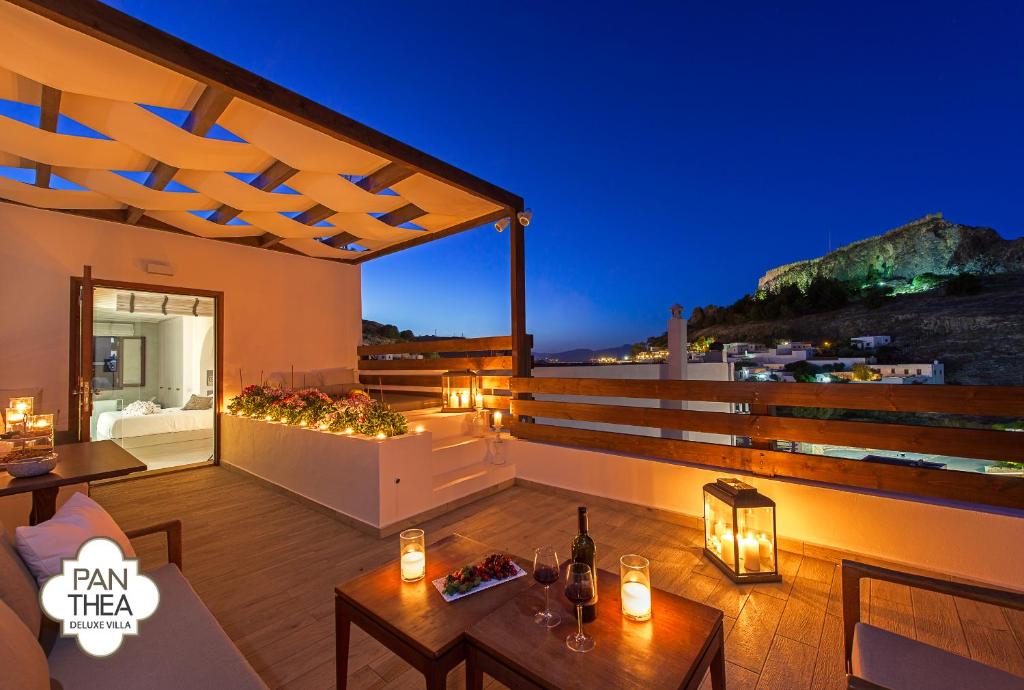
[459,391]
[739,532]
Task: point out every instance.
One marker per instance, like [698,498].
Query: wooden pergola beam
[276,174]
[405,214]
[389,175]
[200,120]
[49,110]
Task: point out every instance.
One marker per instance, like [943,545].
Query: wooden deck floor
[266,566]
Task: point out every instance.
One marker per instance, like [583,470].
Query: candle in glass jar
[766,552]
[413,565]
[15,417]
[636,600]
[750,554]
[728,549]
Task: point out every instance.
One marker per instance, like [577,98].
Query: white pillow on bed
[140,407]
[45,545]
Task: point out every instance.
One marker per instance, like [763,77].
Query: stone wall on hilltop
[927,245]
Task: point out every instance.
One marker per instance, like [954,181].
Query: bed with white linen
[169,425]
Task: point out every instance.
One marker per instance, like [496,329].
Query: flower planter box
[376,482]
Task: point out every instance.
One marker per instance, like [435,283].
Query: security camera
[502,224]
[525,217]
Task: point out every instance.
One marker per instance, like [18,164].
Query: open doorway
[149,374]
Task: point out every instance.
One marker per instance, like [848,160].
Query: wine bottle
[584,551]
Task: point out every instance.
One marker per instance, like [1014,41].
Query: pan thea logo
[99,597]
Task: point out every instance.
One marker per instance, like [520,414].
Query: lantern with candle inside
[459,391]
[635,587]
[412,555]
[739,531]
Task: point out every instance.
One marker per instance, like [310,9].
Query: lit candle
[636,600]
[21,406]
[269,418]
[454,400]
[322,426]
[463,399]
[728,550]
[419,429]
[719,529]
[497,420]
[15,417]
[750,556]
[302,423]
[765,552]
[381,436]
[349,431]
[414,564]
[479,401]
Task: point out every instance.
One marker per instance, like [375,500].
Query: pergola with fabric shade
[159,134]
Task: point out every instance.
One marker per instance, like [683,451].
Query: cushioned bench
[179,646]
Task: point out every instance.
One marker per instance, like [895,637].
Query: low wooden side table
[411,618]
[673,650]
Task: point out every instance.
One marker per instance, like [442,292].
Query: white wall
[929,536]
[279,309]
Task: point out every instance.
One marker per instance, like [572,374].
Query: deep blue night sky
[671,153]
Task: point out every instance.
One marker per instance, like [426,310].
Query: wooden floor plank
[790,666]
[243,541]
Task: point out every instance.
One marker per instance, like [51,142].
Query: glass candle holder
[635,579]
[413,555]
[24,405]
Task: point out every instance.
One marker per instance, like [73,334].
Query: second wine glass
[545,571]
[579,589]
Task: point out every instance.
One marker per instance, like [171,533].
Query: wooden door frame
[74,342]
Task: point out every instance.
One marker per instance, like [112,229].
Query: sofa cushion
[17,586]
[180,646]
[22,662]
[43,546]
[901,663]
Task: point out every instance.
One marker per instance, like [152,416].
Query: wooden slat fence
[762,425]
[420,365]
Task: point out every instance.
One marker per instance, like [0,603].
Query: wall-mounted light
[502,224]
[525,217]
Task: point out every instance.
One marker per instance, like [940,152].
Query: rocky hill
[979,337]
[928,245]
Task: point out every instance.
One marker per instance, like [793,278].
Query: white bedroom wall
[279,309]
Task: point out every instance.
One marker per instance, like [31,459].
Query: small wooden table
[673,650]
[77,463]
[411,618]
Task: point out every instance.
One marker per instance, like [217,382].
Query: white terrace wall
[964,543]
[279,309]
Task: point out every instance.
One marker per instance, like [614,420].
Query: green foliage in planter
[380,417]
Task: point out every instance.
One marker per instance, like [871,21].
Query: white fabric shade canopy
[171,151]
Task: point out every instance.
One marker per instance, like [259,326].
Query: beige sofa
[179,646]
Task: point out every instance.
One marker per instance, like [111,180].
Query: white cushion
[43,546]
[141,407]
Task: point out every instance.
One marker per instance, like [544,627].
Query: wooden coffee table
[674,649]
[411,618]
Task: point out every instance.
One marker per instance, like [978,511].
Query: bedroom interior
[153,375]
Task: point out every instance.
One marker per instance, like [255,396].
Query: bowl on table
[32,467]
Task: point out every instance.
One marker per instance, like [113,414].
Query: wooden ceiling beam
[49,110]
[199,121]
[430,236]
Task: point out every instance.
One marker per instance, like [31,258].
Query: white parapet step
[466,464]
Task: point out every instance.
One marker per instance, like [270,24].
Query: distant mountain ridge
[583,354]
[927,245]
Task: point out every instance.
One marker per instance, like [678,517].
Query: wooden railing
[764,427]
[491,357]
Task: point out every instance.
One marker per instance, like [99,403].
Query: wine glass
[579,589]
[545,571]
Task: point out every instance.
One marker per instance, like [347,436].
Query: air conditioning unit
[102,328]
